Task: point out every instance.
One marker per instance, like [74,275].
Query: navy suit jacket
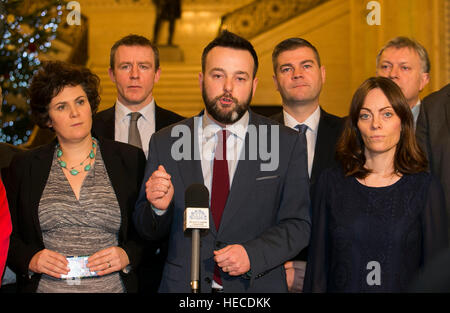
[267,212]
[330,128]
[433,135]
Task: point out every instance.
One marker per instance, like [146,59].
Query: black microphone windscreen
[196,196]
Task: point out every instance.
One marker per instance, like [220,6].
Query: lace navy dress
[373,239]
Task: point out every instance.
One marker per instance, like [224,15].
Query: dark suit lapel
[112,158]
[324,146]
[110,123]
[191,169]
[39,172]
[164,118]
[324,133]
[446,135]
[244,177]
[160,118]
[104,123]
[279,117]
[447,109]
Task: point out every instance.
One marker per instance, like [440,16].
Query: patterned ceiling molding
[191,4]
[262,15]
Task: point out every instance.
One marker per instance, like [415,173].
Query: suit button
[208,280]
[219,244]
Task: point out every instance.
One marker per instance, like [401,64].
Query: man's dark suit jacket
[267,211]
[25,180]
[152,264]
[435,277]
[104,121]
[433,135]
[330,127]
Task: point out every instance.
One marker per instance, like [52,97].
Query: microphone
[196,217]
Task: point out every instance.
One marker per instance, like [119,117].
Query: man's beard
[230,117]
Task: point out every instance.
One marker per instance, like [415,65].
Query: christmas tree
[27,29]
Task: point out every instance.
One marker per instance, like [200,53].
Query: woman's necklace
[73,171]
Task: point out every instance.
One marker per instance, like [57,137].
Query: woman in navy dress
[379,217]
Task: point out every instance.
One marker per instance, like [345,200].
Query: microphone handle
[195,261]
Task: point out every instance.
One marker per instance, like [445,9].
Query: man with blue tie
[255,170]
[298,77]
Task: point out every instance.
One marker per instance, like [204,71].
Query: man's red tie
[220,186]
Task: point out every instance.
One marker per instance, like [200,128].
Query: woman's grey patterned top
[80,227]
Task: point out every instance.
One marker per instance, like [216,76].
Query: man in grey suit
[433,135]
[299,76]
[263,191]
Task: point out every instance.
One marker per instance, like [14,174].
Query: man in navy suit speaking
[256,173]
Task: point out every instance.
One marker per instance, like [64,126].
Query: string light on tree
[27,29]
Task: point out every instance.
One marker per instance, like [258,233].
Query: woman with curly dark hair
[380,217]
[71,201]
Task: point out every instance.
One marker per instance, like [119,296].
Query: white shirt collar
[148,111]
[239,128]
[312,121]
[416,107]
